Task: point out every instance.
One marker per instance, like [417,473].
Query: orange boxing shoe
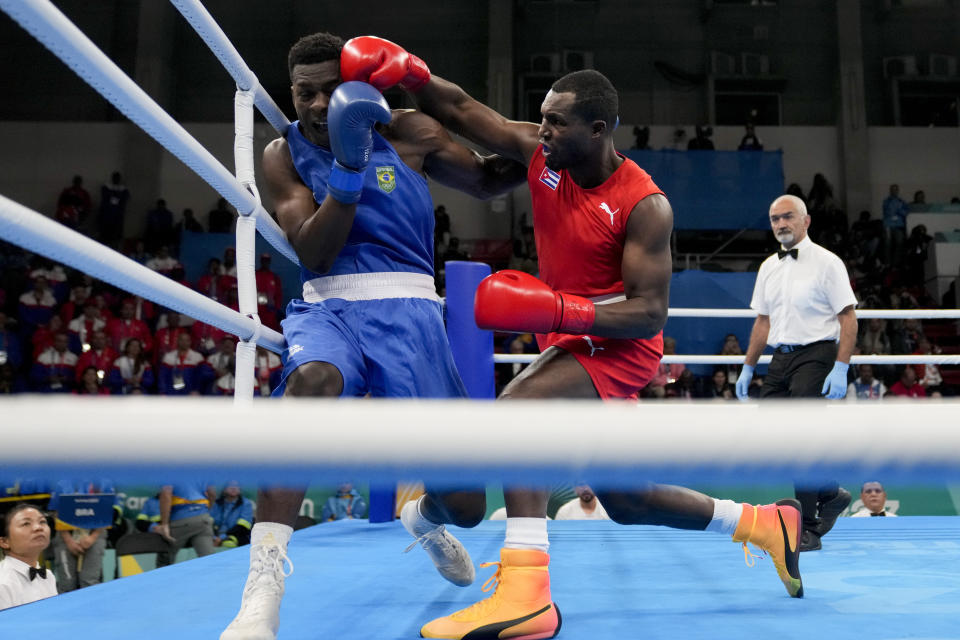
[776,529]
[520,607]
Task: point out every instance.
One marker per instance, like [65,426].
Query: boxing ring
[896,577]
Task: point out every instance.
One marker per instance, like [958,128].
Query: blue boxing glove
[835,386]
[743,382]
[355,107]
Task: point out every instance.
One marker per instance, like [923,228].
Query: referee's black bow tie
[34,572]
[791,252]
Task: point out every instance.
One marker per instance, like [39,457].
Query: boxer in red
[603,238]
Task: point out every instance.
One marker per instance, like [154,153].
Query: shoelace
[750,559]
[479,609]
[434,536]
[269,561]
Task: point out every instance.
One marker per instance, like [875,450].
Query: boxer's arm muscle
[477,122]
[317,234]
[646,269]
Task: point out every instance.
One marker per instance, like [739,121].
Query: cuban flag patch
[550,178]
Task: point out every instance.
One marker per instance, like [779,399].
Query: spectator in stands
[205,337]
[907,386]
[78,551]
[685,387]
[874,499]
[113,207]
[520,261]
[180,371]
[163,263]
[10,352]
[928,375]
[54,273]
[346,503]
[140,253]
[213,283]
[132,370]
[188,222]
[185,517]
[916,250]
[453,251]
[220,219]
[867,237]
[666,373]
[679,139]
[919,201]
[641,138]
[268,371]
[441,228]
[221,361]
[731,347]
[719,387]
[42,338]
[10,382]
[73,307]
[702,141]
[74,205]
[907,338]
[37,306]
[586,506]
[159,231]
[121,329]
[24,535]
[827,225]
[873,340]
[166,338]
[232,517]
[269,293]
[81,329]
[895,213]
[795,190]
[100,355]
[866,387]
[54,370]
[90,384]
[750,141]
[229,267]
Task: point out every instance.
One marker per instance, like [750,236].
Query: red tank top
[580,233]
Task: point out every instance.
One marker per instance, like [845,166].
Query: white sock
[281,533]
[527,533]
[726,516]
[422,525]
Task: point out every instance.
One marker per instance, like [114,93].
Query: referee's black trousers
[800,374]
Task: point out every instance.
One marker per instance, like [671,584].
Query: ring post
[472,347]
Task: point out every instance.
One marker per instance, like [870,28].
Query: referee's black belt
[790,348]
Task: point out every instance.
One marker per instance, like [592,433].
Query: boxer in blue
[369,321]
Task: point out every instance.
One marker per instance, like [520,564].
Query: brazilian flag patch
[386,178]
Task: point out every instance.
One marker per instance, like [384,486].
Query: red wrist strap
[576,314]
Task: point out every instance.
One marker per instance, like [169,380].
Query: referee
[805,311]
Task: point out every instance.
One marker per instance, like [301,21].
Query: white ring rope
[48,25]
[211,33]
[862,314]
[523,358]
[40,234]
[462,441]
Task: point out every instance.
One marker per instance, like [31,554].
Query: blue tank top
[393,227]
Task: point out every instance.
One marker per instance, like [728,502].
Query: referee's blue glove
[743,382]
[835,386]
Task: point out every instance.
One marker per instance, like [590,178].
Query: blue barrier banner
[86,510]
[709,290]
[716,189]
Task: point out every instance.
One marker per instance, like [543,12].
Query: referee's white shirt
[17,588]
[803,296]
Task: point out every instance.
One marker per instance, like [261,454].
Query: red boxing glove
[382,63]
[516,301]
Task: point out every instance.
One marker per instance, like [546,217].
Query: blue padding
[472,347]
[875,578]
[716,189]
[709,290]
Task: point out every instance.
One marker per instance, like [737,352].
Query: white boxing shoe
[259,616]
[448,555]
